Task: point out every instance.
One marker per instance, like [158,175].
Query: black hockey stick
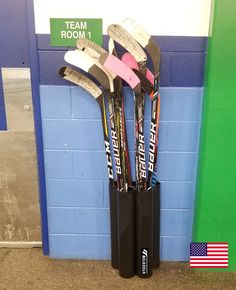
[78,78]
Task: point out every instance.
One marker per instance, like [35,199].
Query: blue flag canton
[198,249]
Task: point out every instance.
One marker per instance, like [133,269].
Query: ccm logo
[144,261]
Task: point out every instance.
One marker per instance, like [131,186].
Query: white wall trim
[163,17]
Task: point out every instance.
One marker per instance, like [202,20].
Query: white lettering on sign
[73,34]
[76,25]
[75,30]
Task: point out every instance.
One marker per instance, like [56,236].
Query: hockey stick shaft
[154,131]
[120,116]
[94,51]
[114,64]
[115,140]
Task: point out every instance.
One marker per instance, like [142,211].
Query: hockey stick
[121,36]
[120,115]
[145,40]
[78,78]
[94,50]
[122,70]
[91,65]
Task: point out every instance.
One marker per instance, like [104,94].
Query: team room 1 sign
[65,31]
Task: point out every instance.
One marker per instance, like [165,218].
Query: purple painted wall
[14,43]
[19,49]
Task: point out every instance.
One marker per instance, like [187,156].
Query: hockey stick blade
[84,42]
[78,78]
[145,40]
[82,60]
[121,36]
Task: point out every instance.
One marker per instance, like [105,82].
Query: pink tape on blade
[118,67]
[129,59]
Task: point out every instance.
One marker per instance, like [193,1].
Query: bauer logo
[144,261]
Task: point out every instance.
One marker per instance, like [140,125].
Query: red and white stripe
[217,257]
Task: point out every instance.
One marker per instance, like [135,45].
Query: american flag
[208,255]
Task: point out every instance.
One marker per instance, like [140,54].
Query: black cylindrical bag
[144,233]
[113,226]
[156,225]
[126,232]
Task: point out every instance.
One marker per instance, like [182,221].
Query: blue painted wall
[76,178]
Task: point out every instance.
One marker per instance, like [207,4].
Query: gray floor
[29,269]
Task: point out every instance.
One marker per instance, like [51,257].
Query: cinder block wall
[76,175]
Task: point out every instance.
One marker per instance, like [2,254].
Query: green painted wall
[215,206]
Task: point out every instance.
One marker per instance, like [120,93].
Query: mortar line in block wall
[77,207]
[81,234]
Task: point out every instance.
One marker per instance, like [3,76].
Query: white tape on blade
[111,45]
[95,56]
[81,80]
[137,31]
[79,59]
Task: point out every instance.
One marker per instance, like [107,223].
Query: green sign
[65,31]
